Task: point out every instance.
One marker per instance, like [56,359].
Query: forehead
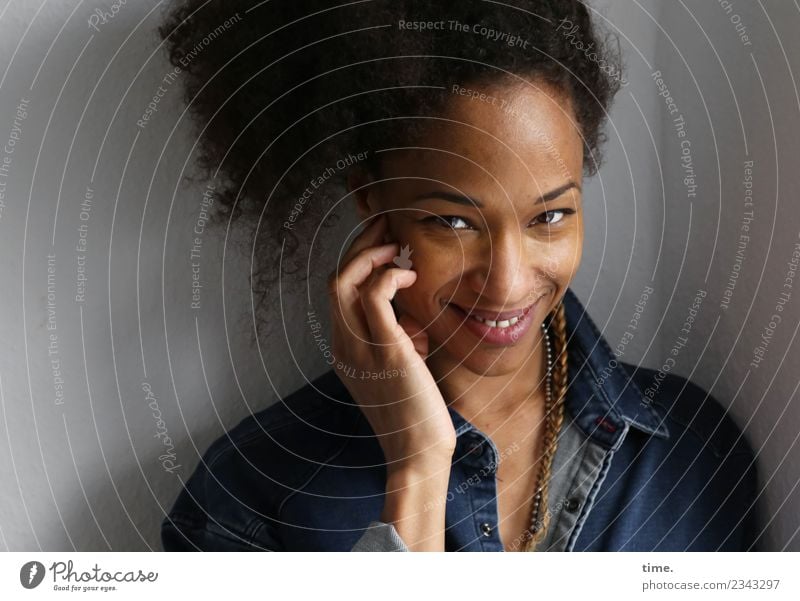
[518,134]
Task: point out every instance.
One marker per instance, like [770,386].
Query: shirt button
[571,505]
[486,528]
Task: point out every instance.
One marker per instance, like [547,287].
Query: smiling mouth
[503,323]
[496,319]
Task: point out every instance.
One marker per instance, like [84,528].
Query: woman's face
[490,208]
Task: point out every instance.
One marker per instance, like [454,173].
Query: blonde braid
[553,418]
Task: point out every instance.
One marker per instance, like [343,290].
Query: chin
[495,366]
[466,350]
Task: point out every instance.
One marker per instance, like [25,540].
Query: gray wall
[149,381]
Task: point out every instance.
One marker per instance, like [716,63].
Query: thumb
[414,331]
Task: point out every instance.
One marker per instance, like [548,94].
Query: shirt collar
[602,397]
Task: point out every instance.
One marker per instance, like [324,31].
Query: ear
[363,194]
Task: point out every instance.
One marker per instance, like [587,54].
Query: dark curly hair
[284,89]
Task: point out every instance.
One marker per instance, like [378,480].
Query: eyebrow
[469,201]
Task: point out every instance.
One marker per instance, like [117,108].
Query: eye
[449,221]
[554,216]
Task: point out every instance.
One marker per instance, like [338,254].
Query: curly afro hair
[283,90]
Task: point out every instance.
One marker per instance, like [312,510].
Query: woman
[472,403]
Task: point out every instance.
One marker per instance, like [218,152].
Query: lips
[506,331]
[495,316]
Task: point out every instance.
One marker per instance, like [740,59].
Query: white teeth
[497,324]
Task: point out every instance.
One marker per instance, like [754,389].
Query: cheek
[560,259]
[438,268]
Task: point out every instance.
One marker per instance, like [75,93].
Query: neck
[493,394]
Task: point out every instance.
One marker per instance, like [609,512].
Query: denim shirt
[664,471]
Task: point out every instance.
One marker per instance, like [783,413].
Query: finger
[345,294]
[376,302]
[372,235]
[356,273]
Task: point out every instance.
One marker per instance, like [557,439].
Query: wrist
[415,503]
[422,465]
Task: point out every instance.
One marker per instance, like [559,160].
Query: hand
[406,411]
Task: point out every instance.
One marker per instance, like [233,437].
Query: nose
[504,269]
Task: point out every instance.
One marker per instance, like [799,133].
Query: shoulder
[697,488]
[243,477]
[690,410]
[304,424]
